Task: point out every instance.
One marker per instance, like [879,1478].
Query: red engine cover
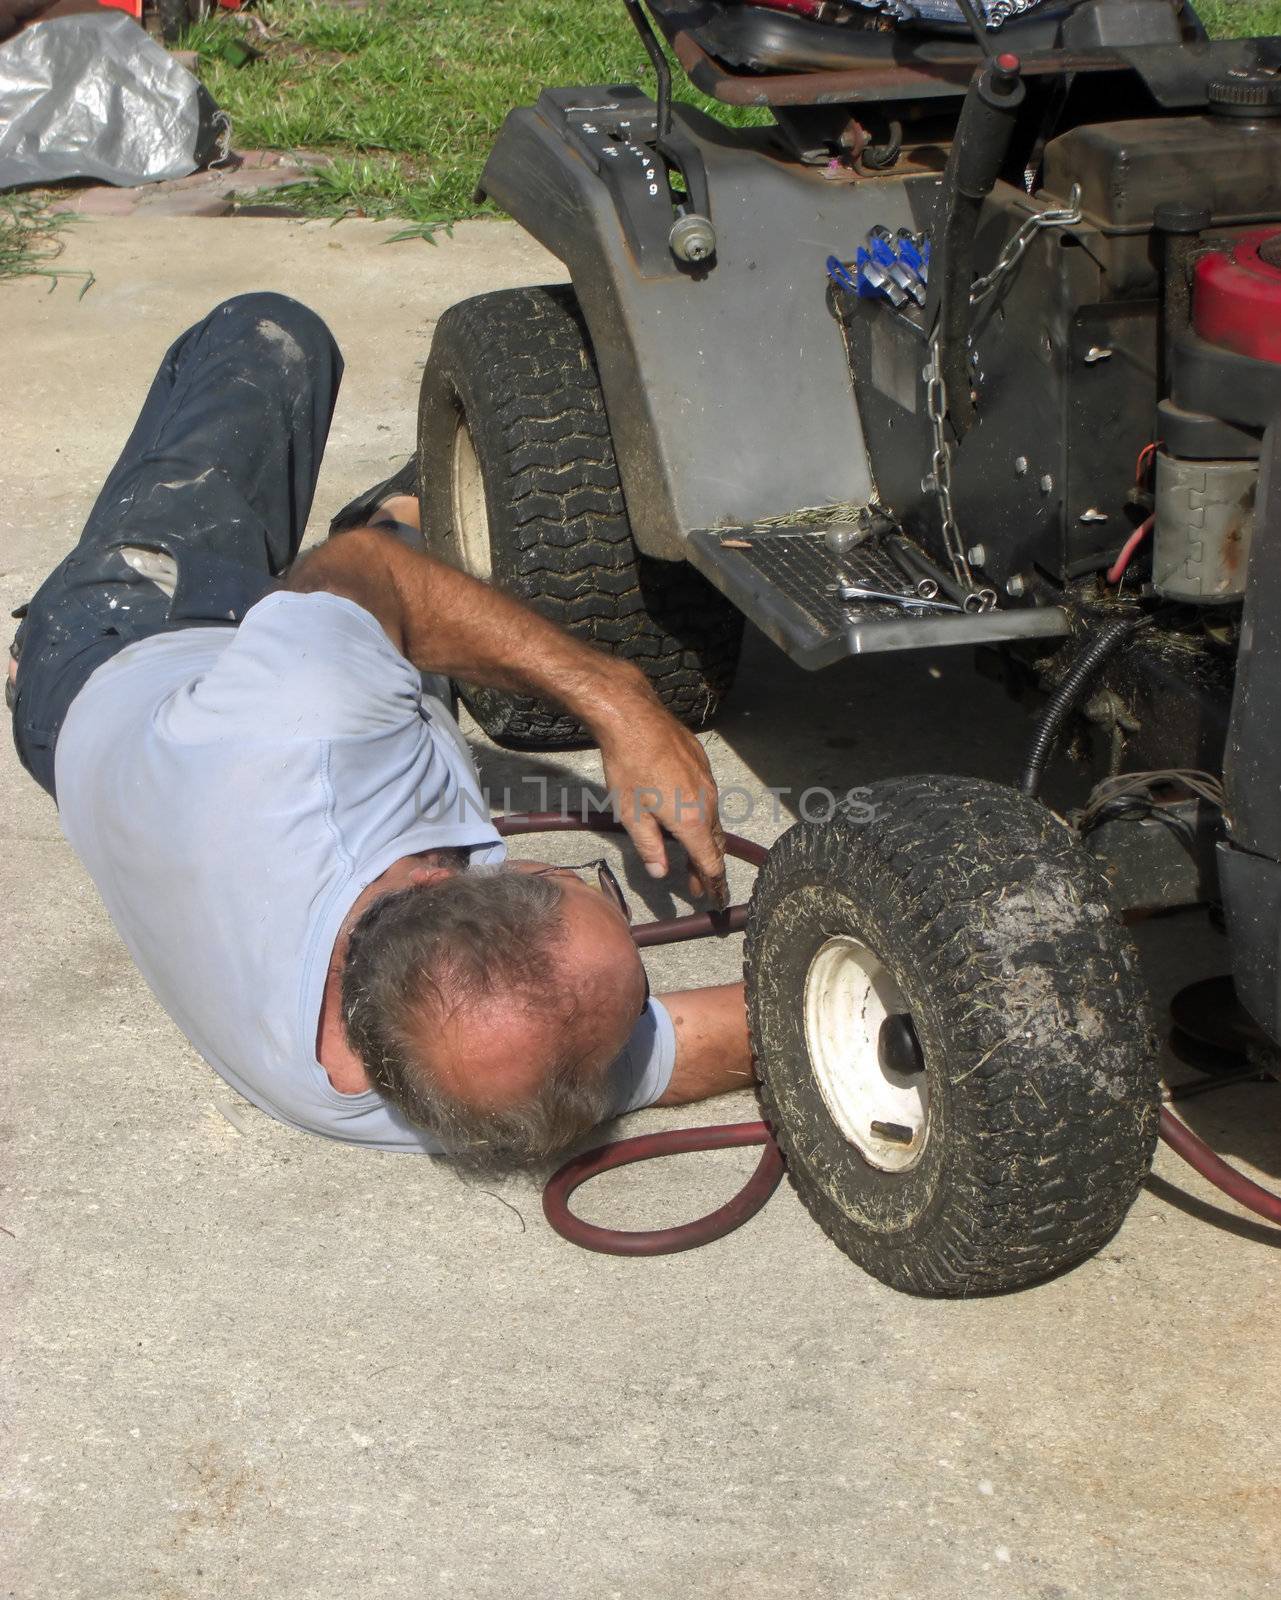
[1237,298]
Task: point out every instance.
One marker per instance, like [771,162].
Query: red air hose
[1253,1196]
[688,1235]
[673,1141]
[769,1170]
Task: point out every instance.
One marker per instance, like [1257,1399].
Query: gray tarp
[94,97]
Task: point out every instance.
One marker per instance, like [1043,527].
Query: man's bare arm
[712,1052]
[444,621]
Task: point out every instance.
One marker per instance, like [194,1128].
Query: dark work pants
[218,473]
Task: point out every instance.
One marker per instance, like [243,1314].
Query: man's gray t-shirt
[231,792]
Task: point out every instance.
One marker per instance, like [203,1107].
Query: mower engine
[1207,470]
[1128,312]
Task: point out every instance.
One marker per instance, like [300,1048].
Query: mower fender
[707,370]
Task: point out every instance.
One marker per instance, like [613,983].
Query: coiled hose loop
[768,1173]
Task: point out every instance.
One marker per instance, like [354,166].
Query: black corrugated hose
[1109,638]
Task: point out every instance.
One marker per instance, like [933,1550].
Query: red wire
[1147,450]
[803,8]
[1117,570]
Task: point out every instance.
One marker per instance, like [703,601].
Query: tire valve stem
[895,1132]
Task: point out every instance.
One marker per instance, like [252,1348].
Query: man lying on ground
[289,833]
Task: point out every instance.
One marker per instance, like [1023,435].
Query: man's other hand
[661,778]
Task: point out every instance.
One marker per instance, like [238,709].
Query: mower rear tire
[519,487]
[952,1036]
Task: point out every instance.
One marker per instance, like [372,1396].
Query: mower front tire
[519,487]
[952,1037]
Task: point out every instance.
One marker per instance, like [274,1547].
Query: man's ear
[425,874]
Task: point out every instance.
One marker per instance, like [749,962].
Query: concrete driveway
[243,1361]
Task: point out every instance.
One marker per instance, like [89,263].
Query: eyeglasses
[606,881]
[612,890]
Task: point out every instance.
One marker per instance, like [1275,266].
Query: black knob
[1180,216]
[1250,96]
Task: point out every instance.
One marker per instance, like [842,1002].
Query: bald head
[488,1005]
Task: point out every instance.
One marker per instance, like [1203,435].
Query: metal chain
[1065,217]
[940,480]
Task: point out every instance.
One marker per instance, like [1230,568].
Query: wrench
[911,563]
[927,588]
[907,602]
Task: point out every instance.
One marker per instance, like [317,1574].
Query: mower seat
[748,38]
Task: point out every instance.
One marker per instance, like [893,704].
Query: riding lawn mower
[978,344]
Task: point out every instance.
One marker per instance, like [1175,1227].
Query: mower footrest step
[794,587]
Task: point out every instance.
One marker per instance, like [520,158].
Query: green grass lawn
[406,95]
[30,244]
[1241,17]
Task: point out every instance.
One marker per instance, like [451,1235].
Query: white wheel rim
[471,515]
[848,995]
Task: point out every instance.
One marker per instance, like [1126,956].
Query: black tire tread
[557,512]
[1058,1163]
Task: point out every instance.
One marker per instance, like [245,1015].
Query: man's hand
[660,777]
[444,621]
